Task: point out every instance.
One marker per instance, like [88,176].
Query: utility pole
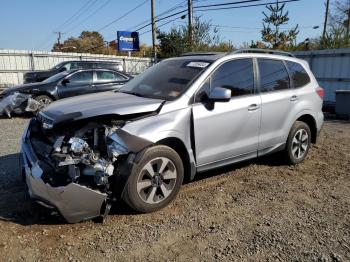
[59,35]
[153,32]
[325,20]
[190,22]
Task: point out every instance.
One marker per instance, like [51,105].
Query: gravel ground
[259,210]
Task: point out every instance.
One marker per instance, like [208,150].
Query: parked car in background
[71,83]
[38,76]
[182,116]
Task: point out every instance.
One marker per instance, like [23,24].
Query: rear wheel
[44,100]
[298,143]
[155,180]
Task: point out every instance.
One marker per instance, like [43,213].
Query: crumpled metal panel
[74,202]
[18,103]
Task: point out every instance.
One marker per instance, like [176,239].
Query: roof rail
[262,51]
[202,53]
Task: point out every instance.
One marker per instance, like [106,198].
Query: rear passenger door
[277,99]
[106,80]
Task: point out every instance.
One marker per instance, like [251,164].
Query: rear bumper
[320,122]
[73,201]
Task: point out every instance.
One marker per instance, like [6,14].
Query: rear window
[298,74]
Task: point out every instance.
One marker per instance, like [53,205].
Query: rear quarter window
[298,74]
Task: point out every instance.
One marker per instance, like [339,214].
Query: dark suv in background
[38,76]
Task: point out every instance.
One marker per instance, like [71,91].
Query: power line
[168,22]
[162,18]
[122,16]
[230,3]
[173,8]
[173,20]
[243,6]
[195,7]
[92,14]
[211,9]
[77,14]
[69,20]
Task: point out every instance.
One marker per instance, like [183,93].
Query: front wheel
[298,143]
[43,100]
[155,180]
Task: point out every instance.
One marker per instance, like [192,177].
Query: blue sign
[128,41]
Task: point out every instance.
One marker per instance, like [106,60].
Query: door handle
[253,107]
[294,98]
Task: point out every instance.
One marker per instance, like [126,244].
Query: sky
[30,25]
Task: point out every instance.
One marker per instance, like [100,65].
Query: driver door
[78,83]
[226,132]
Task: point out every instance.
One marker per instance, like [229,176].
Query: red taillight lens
[320,92]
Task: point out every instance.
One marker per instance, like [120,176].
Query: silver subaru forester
[182,116]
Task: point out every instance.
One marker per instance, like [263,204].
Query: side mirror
[65,81]
[220,94]
[62,69]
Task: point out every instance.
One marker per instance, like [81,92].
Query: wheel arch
[178,145]
[45,94]
[311,122]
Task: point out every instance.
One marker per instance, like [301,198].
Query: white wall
[14,63]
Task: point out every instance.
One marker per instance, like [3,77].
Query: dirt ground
[260,210]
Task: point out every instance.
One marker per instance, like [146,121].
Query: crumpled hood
[21,88]
[38,73]
[106,103]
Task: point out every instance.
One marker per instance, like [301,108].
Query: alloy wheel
[300,143]
[156,180]
[44,102]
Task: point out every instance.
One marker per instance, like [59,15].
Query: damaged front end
[18,103]
[74,169]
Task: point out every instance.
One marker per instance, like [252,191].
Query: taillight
[320,92]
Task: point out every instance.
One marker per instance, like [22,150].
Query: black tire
[44,100]
[297,149]
[154,157]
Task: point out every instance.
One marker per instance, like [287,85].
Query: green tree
[206,37]
[88,41]
[272,34]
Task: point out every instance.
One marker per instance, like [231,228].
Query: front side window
[236,75]
[67,66]
[273,75]
[298,74]
[108,76]
[80,78]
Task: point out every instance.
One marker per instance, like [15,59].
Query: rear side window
[236,75]
[273,75]
[298,74]
[85,65]
[106,76]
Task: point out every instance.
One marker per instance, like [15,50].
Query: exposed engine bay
[87,154]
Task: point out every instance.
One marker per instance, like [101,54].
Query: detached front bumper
[73,201]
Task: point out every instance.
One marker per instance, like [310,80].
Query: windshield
[58,65]
[166,80]
[56,77]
